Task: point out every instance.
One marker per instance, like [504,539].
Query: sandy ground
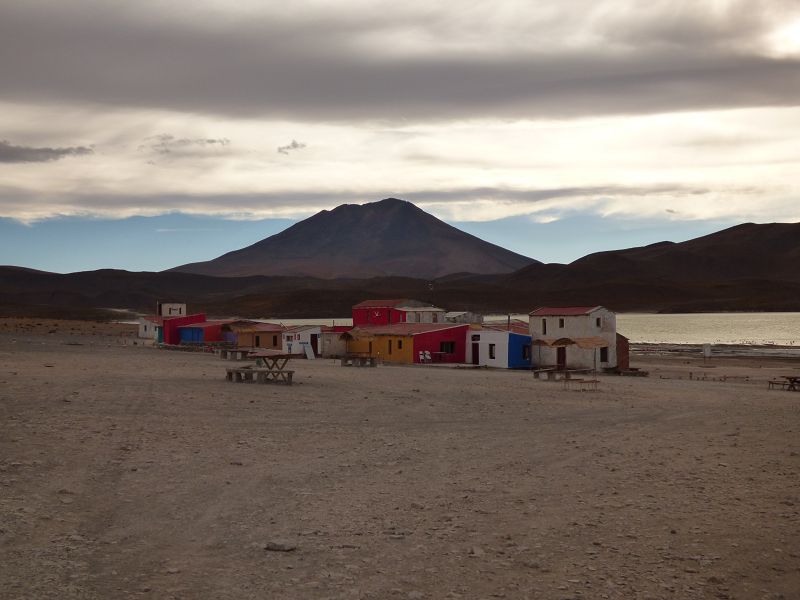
[134,472]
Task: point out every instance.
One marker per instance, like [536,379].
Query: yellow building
[375,341]
[409,342]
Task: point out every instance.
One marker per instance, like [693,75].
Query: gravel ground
[127,471]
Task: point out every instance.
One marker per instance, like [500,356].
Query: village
[558,341]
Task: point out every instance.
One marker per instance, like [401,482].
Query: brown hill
[387,238]
[748,267]
[747,251]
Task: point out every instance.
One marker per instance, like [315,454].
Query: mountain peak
[390,237]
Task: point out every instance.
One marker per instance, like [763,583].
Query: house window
[561,323]
[390,346]
[258,341]
[526,352]
[544,326]
[491,351]
[435,317]
[399,344]
[476,337]
[447,347]
[604,354]
[274,340]
[598,322]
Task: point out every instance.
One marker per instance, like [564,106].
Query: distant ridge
[745,268]
[387,238]
[769,251]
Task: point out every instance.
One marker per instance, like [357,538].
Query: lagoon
[782,329]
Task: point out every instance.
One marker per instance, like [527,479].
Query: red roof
[154,319]
[407,328]
[565,311]
[267,327]
[204,324]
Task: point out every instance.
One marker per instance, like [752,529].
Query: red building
[171,333]
[370,313]
[448,344]
[199,333]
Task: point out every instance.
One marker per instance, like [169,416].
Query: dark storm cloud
[10,153]
[311,69]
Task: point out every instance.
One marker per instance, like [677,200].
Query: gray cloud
[27,154]
[14,201]
[670,59]
[295,145]
[167,144]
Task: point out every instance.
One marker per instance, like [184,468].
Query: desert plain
[132,472]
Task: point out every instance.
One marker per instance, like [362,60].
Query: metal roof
[204,324]
[403,329]
[516,326]
[565,311]
[402,303]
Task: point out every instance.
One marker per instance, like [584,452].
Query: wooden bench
[233,353]
[555,374]
[583,385]
[359,361]
[251,375]
[778,384]
[537,373]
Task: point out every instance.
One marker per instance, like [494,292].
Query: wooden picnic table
[793,382]
[270,367]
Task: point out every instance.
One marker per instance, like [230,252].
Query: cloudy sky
[144,134]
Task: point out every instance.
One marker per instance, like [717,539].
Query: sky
[144,135]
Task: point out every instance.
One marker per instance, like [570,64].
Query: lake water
[712,328]
[706,328]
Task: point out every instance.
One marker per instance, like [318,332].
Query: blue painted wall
[190,335]
[516,342]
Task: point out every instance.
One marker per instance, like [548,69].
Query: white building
[499,347]
[417,312]
[170,309]
[576,337]
[148,327]
[295,339]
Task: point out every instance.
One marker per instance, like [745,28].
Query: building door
[475,354]
[258,341]
[561,357]
[314,338]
